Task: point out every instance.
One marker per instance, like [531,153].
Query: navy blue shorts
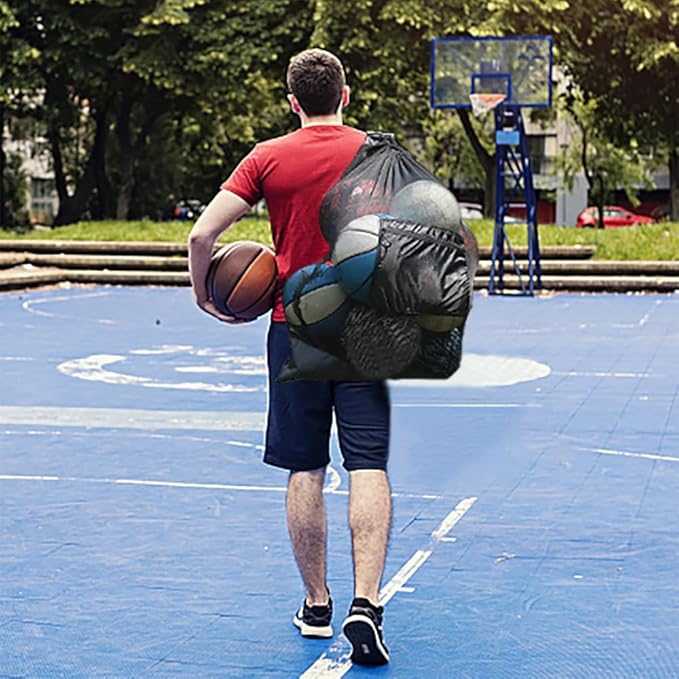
[300,417]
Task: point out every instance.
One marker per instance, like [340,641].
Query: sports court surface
[535,527]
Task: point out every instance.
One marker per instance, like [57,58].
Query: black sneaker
[314,621]
[363,628]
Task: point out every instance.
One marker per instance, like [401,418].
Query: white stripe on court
[336,662]
[626,453]
[30,304]
[131,418]
[144,482]
[330,489]
[466,405]
[93,368]
[575,373]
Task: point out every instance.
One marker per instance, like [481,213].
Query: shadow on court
[535,496]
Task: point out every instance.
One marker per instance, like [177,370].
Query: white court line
[466,405]
[173,437]
[330,489]
[128,418]
[575,373]
[28,306]
[336,662]
[627,453]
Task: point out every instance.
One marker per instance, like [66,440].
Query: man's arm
[224,209]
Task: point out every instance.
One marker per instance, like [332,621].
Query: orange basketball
[241,280]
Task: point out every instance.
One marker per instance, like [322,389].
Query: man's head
[316,82]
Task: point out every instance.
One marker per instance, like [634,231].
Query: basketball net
[482,103]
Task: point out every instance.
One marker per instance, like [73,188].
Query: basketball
[241,280]
[378,345]
[355,255]
[471,246]
[315,304]
[437,322]
[429,203]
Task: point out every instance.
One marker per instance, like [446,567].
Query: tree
[606,167]
[623,55]
[385,46]
[17,88]
[115,73]
[447,150]
[637,92]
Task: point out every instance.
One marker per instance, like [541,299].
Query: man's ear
[346,96]
[294,104]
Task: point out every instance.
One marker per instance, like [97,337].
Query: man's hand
[209,308]
[221,213]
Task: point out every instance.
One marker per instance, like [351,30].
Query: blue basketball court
[535,497]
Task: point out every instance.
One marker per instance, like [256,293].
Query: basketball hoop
[482,103]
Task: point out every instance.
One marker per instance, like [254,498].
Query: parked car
[614,217]
[472,211]
[661,213]
[188,210]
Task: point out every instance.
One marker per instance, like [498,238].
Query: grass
[645,242]
[249,228]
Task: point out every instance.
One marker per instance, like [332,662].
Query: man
[293,173]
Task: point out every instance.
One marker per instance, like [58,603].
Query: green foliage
[623,56]
[17,61]
[139,99]
[189,84]
[607,167]
[384,45]
[447,152]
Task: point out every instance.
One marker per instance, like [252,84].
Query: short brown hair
[316,78]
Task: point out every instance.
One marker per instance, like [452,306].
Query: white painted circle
[476,370]
[487,370]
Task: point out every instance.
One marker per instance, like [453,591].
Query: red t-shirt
[293,173]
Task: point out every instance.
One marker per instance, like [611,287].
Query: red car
[614,217]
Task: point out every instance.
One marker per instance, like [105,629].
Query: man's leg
[297,439]
[309,531]
[370,522]
[362,410]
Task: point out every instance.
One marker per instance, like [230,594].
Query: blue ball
[355,255]
[315,303]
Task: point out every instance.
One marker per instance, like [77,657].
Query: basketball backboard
[519,67]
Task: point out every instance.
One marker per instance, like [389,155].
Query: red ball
[241,280]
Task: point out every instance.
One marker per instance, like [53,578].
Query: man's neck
[334,119]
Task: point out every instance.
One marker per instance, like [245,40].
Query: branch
[484,156]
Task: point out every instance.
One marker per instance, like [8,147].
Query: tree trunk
[674,184]
[487,161]
[72,207]
[126,167]
[130,150]
[600,199]
[125,188]
[490,190]
[2,166]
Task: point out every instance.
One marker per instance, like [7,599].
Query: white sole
[364,637]
[312,630]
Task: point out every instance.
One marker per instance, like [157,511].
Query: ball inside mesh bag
[427,202]
[315,304]
[442,352]
[355,255]
[378,345]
